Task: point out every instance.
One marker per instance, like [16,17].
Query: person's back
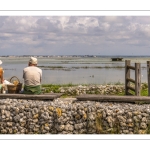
[32,76]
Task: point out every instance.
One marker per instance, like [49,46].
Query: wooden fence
[136,88]
[137,81]
[148,76]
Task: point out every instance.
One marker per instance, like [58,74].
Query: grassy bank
[55,88]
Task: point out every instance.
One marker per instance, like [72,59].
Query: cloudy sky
[74,35]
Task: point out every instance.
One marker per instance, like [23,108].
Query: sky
[75,35]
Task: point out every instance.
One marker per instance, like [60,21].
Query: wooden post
[1,79]
[137,79]
[148,76]
[127,75]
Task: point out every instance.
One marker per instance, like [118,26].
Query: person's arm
[41,76]
[23,74]
[1,75]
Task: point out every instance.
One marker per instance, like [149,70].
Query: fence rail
[128,79]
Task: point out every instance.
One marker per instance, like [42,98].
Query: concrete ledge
[48,96]
[113,98]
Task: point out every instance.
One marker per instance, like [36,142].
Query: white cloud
[54,34]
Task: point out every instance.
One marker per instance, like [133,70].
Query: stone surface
[68,116]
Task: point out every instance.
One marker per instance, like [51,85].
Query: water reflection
[79,70]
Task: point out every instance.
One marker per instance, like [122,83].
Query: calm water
[71,74]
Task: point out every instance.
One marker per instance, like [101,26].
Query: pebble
[72,117]
[92,89]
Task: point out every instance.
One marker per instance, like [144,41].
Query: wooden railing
[137,82]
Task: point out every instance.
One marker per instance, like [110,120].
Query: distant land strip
[83,67]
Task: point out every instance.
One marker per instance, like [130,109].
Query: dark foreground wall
[72,117]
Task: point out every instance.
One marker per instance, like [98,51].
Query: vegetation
[115,83]
[55,88]
[82,67]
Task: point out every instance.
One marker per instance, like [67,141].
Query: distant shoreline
[62,56]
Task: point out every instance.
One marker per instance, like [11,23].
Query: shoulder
[26,68]
[39,70]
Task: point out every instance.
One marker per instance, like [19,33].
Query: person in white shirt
[32,76]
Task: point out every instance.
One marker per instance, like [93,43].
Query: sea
[76,70]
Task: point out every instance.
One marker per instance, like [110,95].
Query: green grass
[144,92]
[53,88]
[56,88]
[114,83]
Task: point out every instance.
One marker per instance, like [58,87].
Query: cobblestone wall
[72,117]
[93,89]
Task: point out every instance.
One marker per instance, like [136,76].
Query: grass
[114,83]
[144,92]
[55,88]
[50,87]
[59,85]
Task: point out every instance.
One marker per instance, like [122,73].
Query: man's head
[33,61]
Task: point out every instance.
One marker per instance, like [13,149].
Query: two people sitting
[32,76]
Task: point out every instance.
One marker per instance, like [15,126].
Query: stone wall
[93,89]
[67,116]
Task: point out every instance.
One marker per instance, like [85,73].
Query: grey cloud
[73,34]
[2,19]
[72,20]
[46,25]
